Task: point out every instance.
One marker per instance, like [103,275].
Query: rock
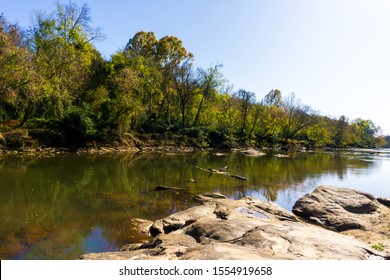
[352,212]
[181,219]
[141,225]
[264,239]
[208,196]
[281,156]
[384,201]
[338,208]
[214,154]
[275,210]
[225,229]
[252,152]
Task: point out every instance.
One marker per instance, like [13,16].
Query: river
[59,207]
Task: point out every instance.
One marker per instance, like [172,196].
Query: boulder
[384,201]
[352,212]
[221,228]
[251,152]
[338,208]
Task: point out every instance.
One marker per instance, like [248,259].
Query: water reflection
[60,207]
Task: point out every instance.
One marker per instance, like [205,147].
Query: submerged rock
[251,152]
[221,228]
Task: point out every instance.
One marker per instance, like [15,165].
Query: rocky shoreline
[329,223]
[23,141]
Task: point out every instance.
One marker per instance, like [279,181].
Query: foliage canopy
[52,77]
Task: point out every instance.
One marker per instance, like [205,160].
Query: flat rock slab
[248,228]
[352,212]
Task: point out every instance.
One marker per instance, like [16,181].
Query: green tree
[246,99]
[158,64]
[318,135]
[228,117]
[140,54]
[14,71]
[172,55]
[271,119]
[122,106]
[63,56]
[142,44]
[186,87]
[298,117]
[342,132]
[273,98]
[270,125]
[386,141]
[254,119]
[364,132]
[210,81]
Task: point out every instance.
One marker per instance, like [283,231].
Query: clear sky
[333,54]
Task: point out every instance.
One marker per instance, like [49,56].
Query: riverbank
[46,141]
[329,223]
[37,141]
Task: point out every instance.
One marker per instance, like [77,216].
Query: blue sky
[333,54]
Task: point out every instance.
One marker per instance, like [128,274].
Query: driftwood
[221,172]
[164,188]
[238,177]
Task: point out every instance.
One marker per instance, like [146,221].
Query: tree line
[53,79]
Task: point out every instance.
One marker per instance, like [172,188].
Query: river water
[63,206]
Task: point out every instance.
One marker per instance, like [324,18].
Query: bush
[159,126]
[79,125]
[16,139]
[220,138]
[38,123]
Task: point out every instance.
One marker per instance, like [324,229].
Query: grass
[378,247]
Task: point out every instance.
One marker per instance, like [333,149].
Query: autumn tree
[268,131]
[140,54]
[122,106]
[210,81]
[63,55]
[273,98]
[341,132]
[298,117]
[172,55]
[186,88]
[14,71]
[53,77]
[158,62]
[364,132]
[246,99]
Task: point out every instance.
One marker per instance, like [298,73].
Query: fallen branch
[238,177]
[164,188]
[221,172]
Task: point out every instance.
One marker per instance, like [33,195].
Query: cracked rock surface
[225,229]
[351,212]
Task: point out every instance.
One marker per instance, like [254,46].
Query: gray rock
[352,212]
[181,219]
[338,208]
[384,201]
[251,152]
[248,228]
[201,198]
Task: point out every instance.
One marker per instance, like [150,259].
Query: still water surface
[61,207]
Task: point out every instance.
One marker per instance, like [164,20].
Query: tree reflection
[51,205]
